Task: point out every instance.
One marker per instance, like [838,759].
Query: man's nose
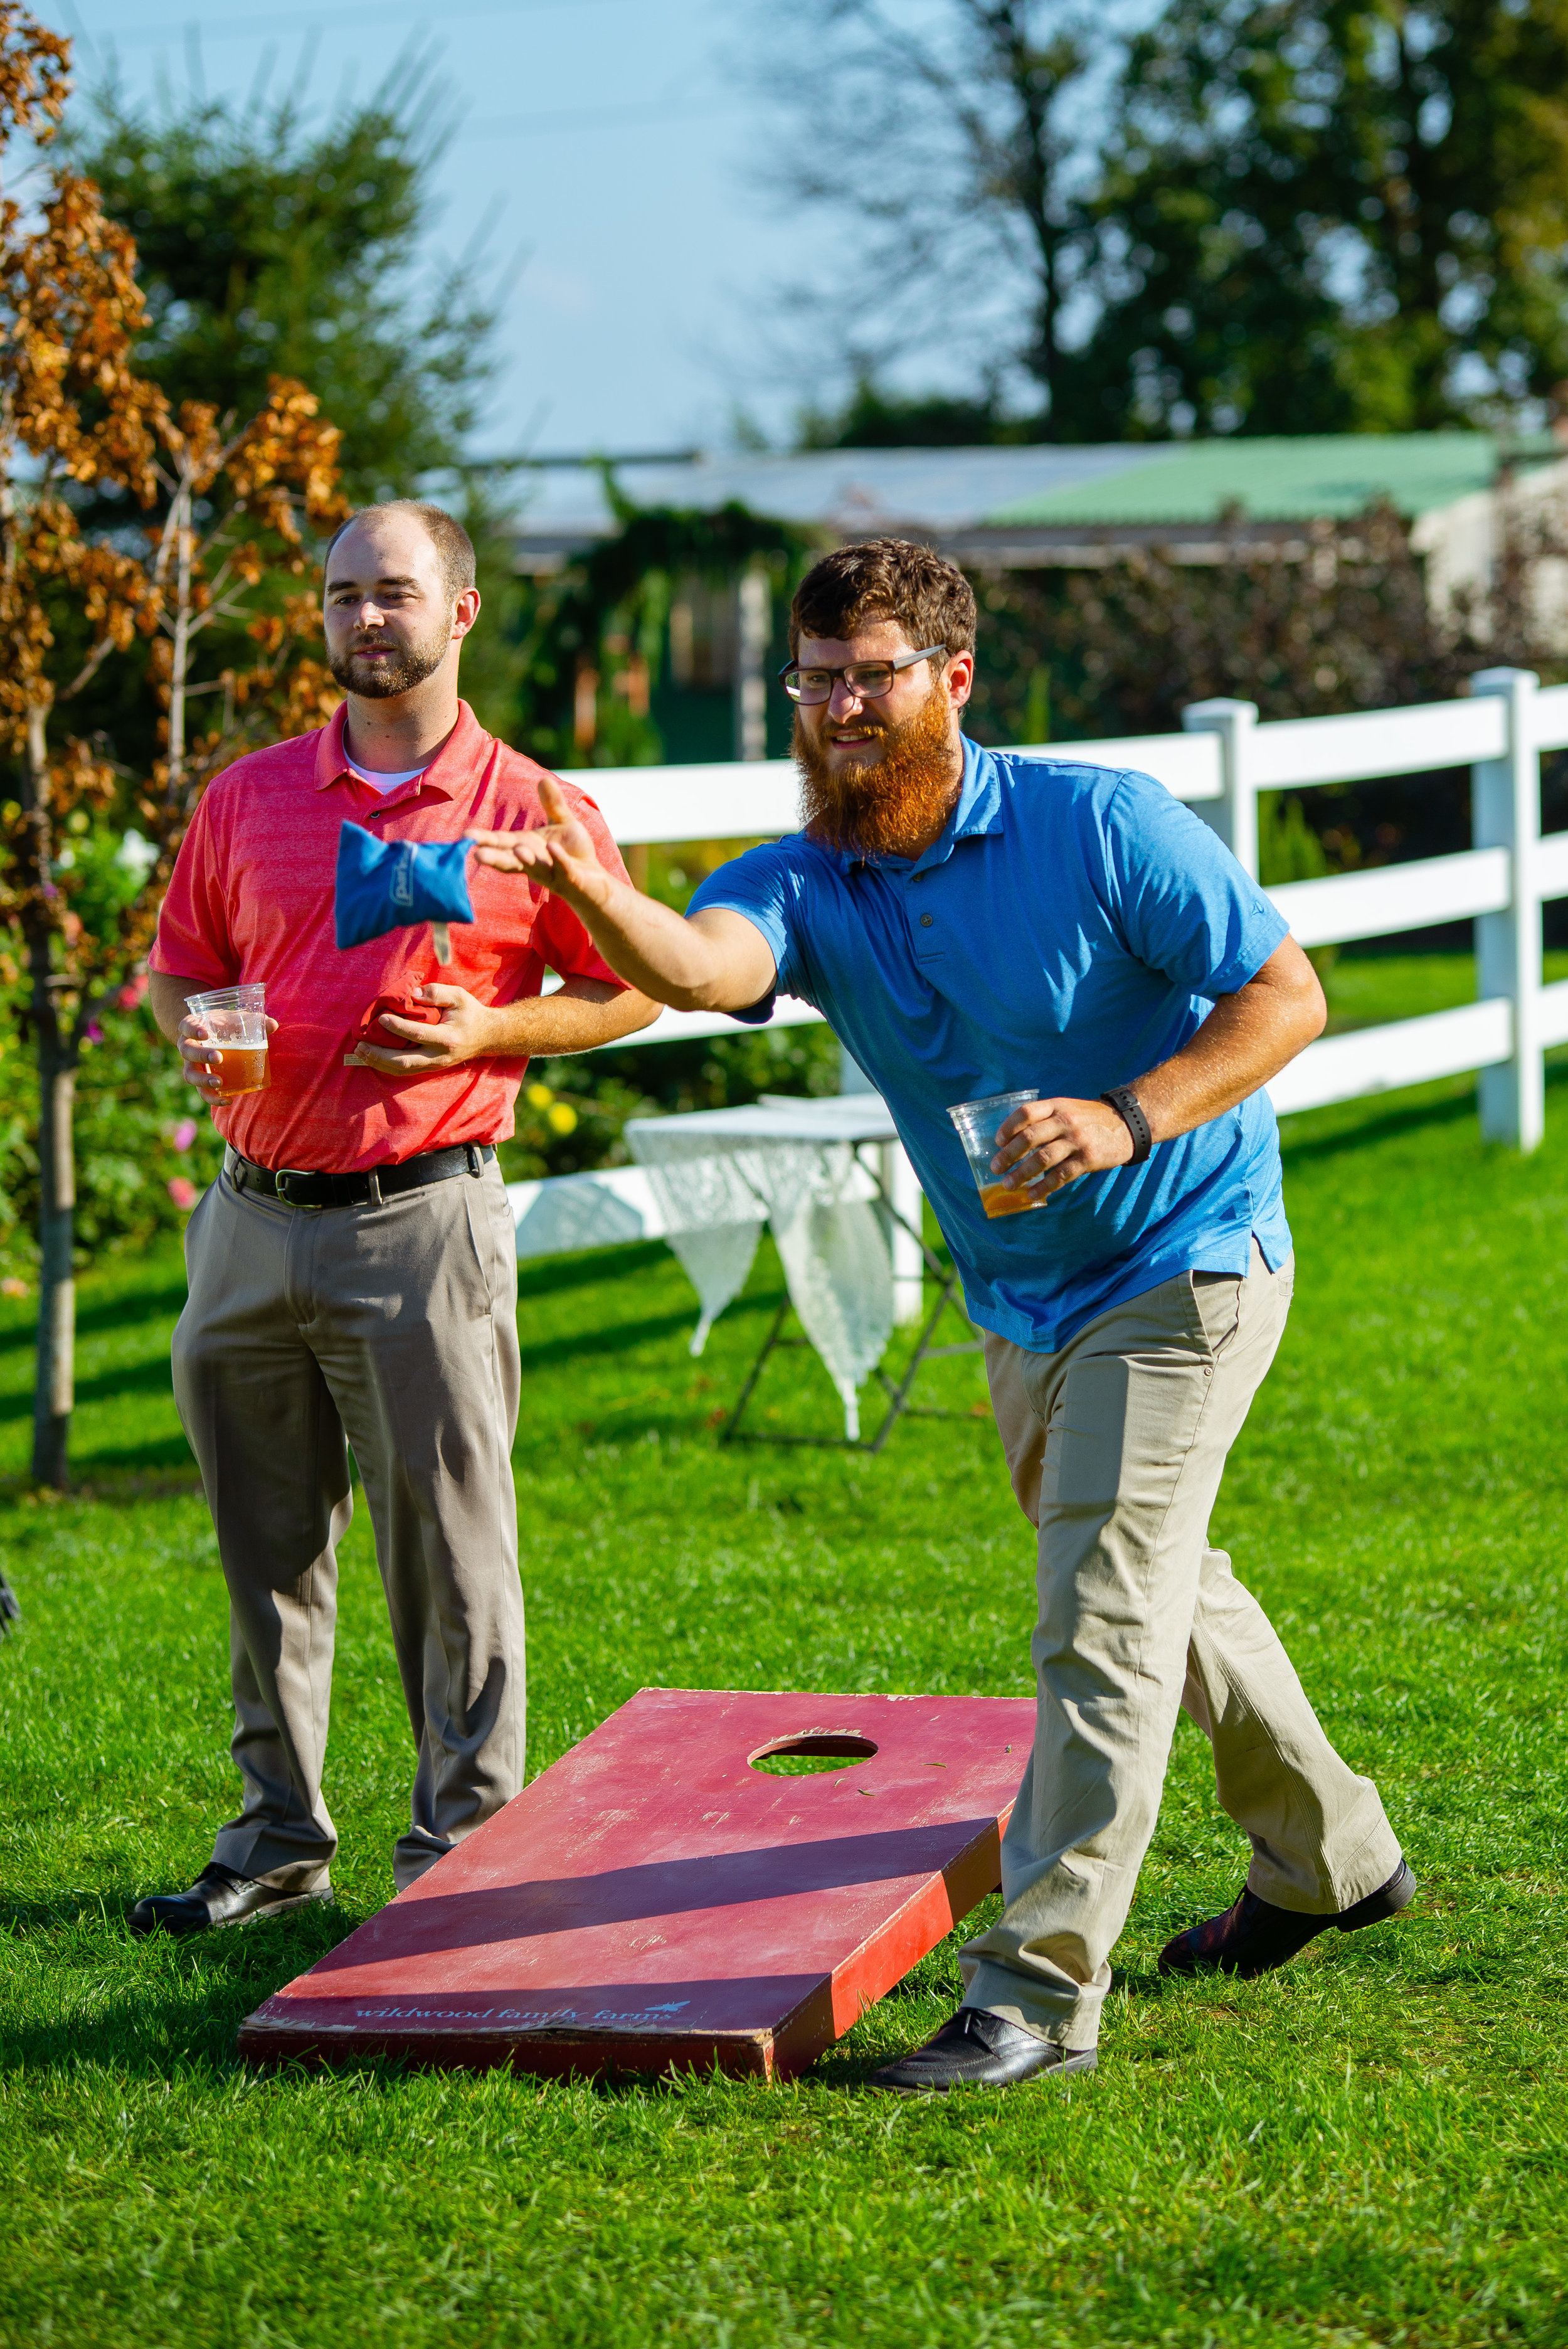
[843,699]
[370,615]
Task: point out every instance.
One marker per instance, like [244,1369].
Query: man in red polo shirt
[352,1273]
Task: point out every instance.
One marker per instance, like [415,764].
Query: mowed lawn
[1370,2146]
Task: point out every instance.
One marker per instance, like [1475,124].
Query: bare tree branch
[946,153]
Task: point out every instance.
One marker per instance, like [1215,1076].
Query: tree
[1334,216]
[873,418]
[265,248]
[950,147]
[78,425]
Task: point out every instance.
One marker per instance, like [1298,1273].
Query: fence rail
[1221,762]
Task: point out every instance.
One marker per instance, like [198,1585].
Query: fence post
[1505,812]
[1234,817]
[753,627]
[903,1186]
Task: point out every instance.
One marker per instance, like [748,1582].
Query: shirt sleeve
[194,939]
[1184,904]
[762,885]
[561,938]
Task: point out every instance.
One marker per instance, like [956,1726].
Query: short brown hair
[885,579]
[454,547]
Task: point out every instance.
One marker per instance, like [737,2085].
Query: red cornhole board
[651,1899]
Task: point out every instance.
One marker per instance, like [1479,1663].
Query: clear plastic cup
[977,1121]
[234,1019]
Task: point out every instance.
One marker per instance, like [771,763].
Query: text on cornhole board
[653,1898]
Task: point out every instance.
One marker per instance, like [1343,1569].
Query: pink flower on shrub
[184,1134]
[183,1192]
[133,993]
[94,1032]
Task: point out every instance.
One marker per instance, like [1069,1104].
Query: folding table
[813,1169]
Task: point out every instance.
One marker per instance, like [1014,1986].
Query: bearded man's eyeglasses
[867,680]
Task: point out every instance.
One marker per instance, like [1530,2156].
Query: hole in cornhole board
[652,1899]
[819,1749]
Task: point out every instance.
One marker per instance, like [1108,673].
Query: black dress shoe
[218,1896]
[977,2049]
[1252,1937]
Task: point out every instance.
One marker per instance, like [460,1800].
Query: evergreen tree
[269,247]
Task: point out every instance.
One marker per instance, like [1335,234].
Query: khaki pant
[392,1328]
[1116,1447]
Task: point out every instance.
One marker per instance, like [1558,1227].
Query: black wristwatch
[1130,1110]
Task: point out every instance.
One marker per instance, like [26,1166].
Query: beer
[241,1069]
[234,1021]
[978,1123]
[1008,1199]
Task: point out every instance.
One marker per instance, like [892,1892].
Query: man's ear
[959,677]
[465,612]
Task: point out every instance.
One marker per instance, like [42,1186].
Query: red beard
[890,809]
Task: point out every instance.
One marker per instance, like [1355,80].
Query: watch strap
[1130,1110]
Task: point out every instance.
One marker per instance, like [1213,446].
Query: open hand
[199,1048]
[1062,1140]
[468,1029]
[558,854]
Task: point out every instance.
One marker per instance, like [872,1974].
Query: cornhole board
[651,1899]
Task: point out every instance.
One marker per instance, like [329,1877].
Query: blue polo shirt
[1069,930]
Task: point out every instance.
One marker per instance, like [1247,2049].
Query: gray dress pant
[1116,1445]
[392,1328]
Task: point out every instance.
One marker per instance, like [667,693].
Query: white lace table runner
[719,1176]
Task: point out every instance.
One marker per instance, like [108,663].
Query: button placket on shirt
[926,934]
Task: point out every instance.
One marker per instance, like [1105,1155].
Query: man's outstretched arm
[716,961]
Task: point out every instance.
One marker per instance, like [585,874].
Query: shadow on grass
[159,1471]
[580,1344]
[197,1991]
[147,1378]
[94,1317]
[555,1275]
[1360,1133]
[20,1918]
[1371,1131]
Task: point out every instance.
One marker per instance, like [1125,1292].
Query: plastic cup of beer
[977,1121]
[234,1019]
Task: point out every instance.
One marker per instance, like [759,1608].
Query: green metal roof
[1318,474]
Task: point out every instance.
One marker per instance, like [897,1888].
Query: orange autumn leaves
[226,508]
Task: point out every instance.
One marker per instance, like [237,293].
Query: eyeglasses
[867,680]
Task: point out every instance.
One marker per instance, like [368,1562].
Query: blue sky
[615,145]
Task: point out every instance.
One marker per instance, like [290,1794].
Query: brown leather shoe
[1252,1937]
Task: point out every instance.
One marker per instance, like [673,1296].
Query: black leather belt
[296,1188]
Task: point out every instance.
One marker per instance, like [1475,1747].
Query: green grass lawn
[1370,2146]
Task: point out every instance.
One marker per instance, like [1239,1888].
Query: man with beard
[973,924]
[353,1272]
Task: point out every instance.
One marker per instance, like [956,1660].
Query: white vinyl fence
[1219,762]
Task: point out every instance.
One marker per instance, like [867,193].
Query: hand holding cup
[222,1041]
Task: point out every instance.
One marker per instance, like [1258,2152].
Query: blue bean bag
[390,884]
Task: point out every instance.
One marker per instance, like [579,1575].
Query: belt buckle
[282,1178]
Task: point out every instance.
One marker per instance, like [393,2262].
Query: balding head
[452,546]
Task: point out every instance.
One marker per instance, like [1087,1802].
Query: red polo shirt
[251,899]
